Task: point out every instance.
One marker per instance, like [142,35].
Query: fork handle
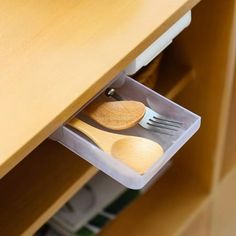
[111,92]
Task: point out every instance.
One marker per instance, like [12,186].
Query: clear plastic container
[129,89]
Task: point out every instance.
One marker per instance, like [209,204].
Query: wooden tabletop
[55,55]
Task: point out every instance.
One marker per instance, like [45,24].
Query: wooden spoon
[116,115]
[136,152]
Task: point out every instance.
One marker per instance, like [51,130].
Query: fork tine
[165,123]
[167,120]
[161,126]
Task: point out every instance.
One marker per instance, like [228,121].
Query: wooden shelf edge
[45,180]
[60,202]
[180,85]
[227,172]
[201,207]
[231,171]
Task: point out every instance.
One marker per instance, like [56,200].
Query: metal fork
[151,120]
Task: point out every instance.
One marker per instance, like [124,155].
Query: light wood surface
[116,115]
[200,226]
[225,129]
[229,159]
[33,191]
[136,152]
[224,212]
[207,51]
[171,83]
[55,55]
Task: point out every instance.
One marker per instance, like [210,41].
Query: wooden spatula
[116,115]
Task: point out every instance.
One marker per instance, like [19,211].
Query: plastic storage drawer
[129,89]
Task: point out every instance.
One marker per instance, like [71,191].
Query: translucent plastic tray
[132,90]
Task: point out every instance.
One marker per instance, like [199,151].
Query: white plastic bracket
[159,45]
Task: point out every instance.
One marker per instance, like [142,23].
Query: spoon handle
[96,135]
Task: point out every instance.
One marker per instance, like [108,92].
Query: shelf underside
[34,190]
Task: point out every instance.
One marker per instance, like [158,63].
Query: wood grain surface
[116,115]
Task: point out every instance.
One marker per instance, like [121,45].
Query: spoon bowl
[116,115]
[137,153]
